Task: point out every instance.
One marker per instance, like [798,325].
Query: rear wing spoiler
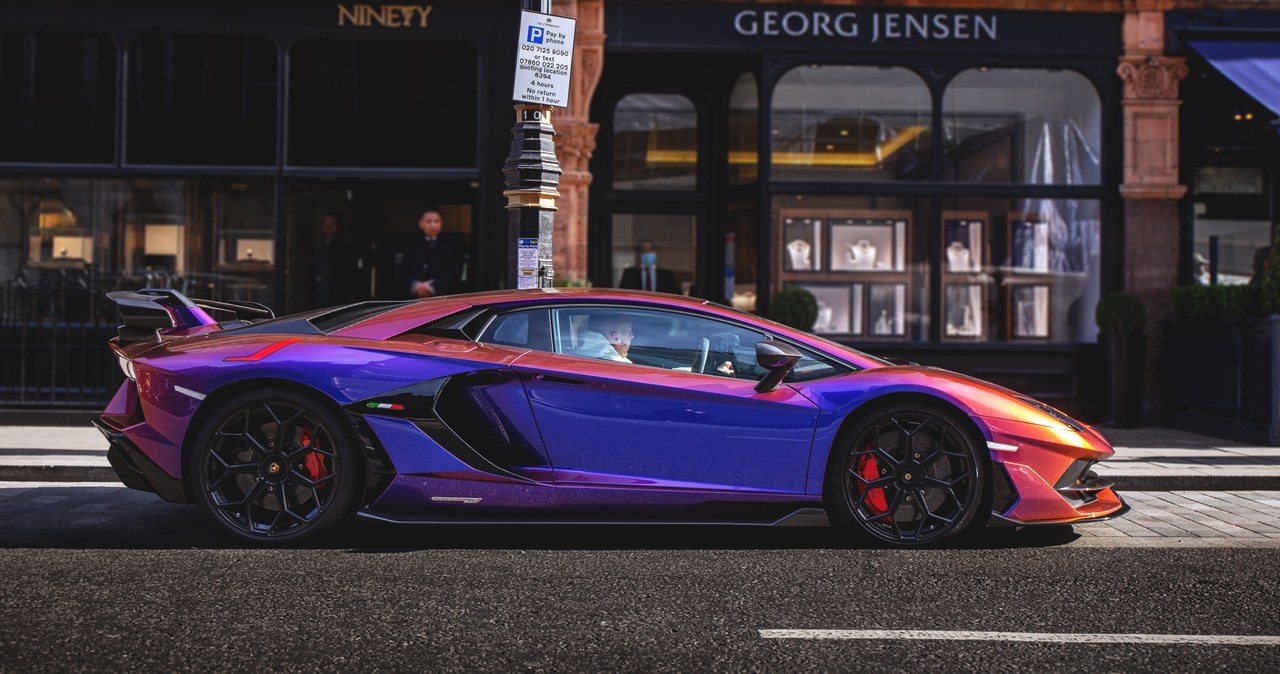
[144,313]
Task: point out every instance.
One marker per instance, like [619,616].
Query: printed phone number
[544,50]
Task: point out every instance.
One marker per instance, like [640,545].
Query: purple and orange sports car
[571,406]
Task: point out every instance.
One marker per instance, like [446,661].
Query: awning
[1254,66]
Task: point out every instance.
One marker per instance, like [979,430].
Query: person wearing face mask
[648,275]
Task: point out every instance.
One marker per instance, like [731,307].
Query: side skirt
[802,517]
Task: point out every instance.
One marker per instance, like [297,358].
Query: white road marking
[1041,637]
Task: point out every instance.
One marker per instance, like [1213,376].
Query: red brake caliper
[315,460]
[867,467]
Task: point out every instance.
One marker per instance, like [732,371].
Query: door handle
[553,379]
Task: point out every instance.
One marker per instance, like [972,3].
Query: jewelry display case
[965,280]
[855,264]
[963,311]
[1029,311]
[839,307]
[887,306]
[802,244]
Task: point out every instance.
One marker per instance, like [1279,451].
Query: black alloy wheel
[911,476]
[276,466]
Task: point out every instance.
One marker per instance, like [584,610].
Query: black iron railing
[54,327]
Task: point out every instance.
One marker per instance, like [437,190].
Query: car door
[663,419]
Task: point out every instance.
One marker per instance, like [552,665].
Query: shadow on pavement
[76,517]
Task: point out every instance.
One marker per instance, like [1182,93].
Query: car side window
[669,340]
[530,329]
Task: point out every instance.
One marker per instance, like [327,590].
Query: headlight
[1055,414]
[126,366]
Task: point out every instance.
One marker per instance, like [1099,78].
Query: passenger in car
[607,337]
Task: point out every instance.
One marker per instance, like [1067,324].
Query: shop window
[1025,270]
[56,244]
[655,143]
[83,237]
[866,260]
[1021,270]
[744,123]
[386,103]
[859,123]
[674,245]
[1231,224]
[57,97]
[1015,125]
[66,242]
[202,100]
[208,239]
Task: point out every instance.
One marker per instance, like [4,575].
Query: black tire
[908,475]
[275,466]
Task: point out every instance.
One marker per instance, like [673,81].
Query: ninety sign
[544,59]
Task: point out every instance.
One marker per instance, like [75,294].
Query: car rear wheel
[275,466]
[908,476]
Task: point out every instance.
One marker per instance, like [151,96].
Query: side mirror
[778,358]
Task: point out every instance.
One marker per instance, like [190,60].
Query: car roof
[401,319]
[414,314]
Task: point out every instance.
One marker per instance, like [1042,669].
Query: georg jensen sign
[872,27]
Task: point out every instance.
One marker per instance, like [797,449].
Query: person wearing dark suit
[648,275]
[432,264]
[335,266]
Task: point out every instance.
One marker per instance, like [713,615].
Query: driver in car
[607,337]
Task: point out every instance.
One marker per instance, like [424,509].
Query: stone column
[1151,189]
[576,136]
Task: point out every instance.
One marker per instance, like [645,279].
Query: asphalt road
[108,579]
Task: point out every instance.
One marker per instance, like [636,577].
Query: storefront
[200,145]
[1230,140]
[956,186]
[944,181]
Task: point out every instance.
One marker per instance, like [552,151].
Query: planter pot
[1222,378]
[1123,361]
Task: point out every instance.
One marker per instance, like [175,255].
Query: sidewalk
[1147,459]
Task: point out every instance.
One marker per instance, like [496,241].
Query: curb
[1196,482]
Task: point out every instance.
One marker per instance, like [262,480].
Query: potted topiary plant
[794,307]
[1121,319]
[1222,359]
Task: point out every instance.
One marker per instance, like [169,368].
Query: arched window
[1023,125]
[851,123]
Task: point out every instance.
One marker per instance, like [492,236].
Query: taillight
[126,366]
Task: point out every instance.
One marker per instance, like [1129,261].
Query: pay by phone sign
[544,59]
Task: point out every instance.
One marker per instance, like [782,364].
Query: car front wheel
[908,476]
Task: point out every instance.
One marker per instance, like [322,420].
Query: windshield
[836,348]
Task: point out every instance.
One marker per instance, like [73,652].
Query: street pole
[531,186]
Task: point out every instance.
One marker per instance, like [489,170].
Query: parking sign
[544,59]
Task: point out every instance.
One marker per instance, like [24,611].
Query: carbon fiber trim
[1001,520]
[419,404]
[380,472]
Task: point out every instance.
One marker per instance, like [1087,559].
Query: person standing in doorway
[335,269]
[432,265]
[648,275]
